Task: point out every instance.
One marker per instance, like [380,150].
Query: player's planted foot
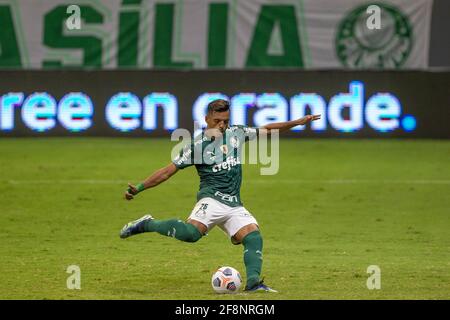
[259,286]
[135,227]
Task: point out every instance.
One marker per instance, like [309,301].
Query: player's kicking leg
[172,228]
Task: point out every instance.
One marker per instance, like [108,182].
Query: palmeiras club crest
[234,142]
[358,46]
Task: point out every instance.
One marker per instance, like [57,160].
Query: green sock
[174,228]
[253,244]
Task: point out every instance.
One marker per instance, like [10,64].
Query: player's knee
[253,239]
[193,235]
[194,238]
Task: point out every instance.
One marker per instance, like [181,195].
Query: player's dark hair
[218,105]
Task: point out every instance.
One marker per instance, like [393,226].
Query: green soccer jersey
[218,163]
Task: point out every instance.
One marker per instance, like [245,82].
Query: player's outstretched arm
[156,178]
[284,126]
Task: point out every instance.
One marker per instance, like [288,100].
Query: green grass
[334,208]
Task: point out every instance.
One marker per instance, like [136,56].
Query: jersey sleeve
[185,157]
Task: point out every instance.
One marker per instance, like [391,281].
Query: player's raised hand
[308,118]
[131,192]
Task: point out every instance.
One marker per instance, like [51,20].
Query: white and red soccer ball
[226,280]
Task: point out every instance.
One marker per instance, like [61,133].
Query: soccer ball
[226,280]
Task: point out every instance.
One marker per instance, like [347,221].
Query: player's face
[218,121]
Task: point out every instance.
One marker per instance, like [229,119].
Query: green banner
[204,34]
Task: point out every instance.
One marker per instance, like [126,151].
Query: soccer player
[216,155]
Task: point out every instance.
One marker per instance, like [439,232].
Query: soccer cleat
[134,227]
[260,286]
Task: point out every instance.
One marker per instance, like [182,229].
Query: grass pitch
[335,208]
